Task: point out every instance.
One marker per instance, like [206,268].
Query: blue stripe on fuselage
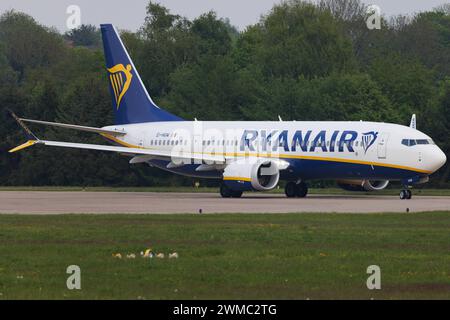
[309,170]
[323,169]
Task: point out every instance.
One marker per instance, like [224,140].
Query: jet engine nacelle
[252,174]
[363,185]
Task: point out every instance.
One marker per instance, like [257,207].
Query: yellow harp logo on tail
[120,77]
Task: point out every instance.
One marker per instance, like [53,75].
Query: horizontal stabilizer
[75,127]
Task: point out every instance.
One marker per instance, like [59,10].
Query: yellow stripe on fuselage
[369,163]
[331,159]
[378,164]
[237,179]
[286,156]
[122,143]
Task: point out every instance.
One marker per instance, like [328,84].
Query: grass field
[334,191]
[224,256]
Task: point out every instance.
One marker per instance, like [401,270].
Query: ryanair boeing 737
[252,156]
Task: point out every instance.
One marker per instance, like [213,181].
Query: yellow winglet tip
[27,144]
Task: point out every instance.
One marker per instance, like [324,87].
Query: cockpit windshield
[413,142]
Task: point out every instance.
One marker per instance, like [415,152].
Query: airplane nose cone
[438,159]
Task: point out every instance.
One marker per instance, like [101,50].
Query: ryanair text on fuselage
[304,140]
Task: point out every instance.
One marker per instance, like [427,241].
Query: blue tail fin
[131,101]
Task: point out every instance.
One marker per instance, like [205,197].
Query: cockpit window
[409,142]
[413,142]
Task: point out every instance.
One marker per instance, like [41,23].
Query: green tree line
[302,61]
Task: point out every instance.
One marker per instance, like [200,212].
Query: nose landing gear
[293,189]
[405,194]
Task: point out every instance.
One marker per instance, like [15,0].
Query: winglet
[27,144]
[30,135]
[413,122]
[32,139]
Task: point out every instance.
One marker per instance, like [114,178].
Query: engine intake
[252,174]
[363,185]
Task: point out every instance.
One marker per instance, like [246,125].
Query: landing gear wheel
[225,192]
[408,194]
[403,194]
[301,190]
[290,189]
[236,194]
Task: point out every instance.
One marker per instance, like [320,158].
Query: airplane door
[382,145]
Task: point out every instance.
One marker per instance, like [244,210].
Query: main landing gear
[405,194]
[226,192]
[293,189]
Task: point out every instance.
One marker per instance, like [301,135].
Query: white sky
[130,14]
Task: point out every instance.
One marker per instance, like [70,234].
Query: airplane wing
[126,150]
[33,140]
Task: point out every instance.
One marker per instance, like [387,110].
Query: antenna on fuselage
[279,118]
[413,123]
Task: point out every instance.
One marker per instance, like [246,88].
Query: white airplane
[252,156]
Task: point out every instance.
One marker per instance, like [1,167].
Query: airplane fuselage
[314,150]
